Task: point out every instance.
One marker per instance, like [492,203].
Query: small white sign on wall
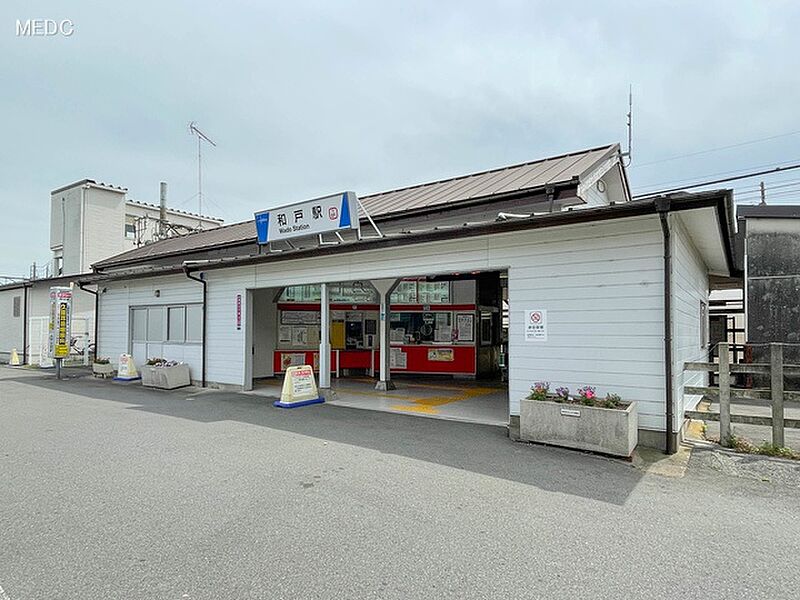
[536,325]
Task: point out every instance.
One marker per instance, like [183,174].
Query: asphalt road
[110,491]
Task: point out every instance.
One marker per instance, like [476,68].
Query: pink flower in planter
[587,394]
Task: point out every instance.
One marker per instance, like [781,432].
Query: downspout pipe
[25,324]
[663,208]
[200,279]
[96,295]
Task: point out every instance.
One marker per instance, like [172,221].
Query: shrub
[102,361]
[151,362]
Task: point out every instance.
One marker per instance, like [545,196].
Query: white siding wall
[601,284]
[114,315]
[11,326]
[689,289]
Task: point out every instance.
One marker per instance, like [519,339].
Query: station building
[439,282]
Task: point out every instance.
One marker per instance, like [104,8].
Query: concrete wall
[104,226]
[88,224]
[65,224]
[773,287]
[601,283]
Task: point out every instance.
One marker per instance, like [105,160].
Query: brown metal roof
[720,200]
[532,175]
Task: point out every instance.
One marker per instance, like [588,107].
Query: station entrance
[446,335]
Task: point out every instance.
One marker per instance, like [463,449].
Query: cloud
[307,98]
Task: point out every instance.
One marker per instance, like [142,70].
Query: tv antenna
[629,123]
[201,137]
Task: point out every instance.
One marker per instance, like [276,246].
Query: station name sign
[313,217]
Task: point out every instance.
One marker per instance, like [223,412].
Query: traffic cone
[14,358]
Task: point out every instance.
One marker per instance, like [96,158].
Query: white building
[89,221]
[624,283]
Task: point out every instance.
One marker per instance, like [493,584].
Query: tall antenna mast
[201,137]
[627,154]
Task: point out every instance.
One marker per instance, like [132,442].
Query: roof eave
[604,213]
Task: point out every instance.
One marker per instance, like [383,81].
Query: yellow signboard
[60,321]
[440,354]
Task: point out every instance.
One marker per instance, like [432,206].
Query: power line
[770,197]
[757,188]
[732,172]
[769,192]
[723,180]
[717,149]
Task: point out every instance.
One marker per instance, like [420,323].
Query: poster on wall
[299,335]
[536,325]
[292,359]
[443,334]
[440,355]
[299,317]
[285,334]
[398,359]
[465,327]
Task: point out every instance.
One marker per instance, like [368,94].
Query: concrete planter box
[166,378]
[103,370]
[607,430]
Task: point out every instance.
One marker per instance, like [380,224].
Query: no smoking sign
[536,325]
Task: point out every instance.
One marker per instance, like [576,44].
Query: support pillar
[776,388]
[325,339]
[384,287]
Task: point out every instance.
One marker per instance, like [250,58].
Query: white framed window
[174,324]
[194,323]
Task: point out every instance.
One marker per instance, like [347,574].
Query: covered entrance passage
[445,337]
[470,401]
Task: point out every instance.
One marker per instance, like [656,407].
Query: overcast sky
[308,98]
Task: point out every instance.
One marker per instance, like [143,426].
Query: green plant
[587,395]
[102,361]
[612,401]
[769,449]
[154,361]
[740,444]
[539,391]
